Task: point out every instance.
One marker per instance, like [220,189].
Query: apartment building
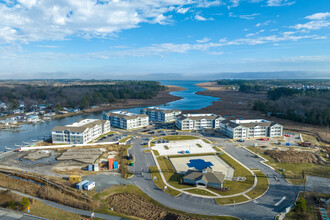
[242,129]
[126,120]
[198,121]
[161,115]
[80,132]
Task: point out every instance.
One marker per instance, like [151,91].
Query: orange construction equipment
[111,164]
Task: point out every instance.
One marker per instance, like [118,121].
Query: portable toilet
[90,167]
[74,178]
[81,184]
[89,186]
[110,164]
[115,165]
[96,167]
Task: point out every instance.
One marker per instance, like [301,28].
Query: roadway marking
[279,202]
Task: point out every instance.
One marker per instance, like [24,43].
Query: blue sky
[134,38]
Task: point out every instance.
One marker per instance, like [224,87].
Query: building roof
[207,175]
[71,129]
[80,126]
[198,116]
[125,115]
[248,123]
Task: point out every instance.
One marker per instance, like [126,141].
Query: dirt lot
[293,157]
[239,104]
[135,205]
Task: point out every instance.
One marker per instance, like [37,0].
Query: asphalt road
[265,207]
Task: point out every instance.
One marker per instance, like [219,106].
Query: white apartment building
[80,132]
[242,129]
[161,115]
[126,120]
[198,121]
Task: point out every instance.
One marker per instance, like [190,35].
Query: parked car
[287,135]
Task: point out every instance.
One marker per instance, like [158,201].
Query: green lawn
[198,145]
[261,187]
[154,172]
[231,200]
[199,192]
[239,186]
[293,172]
[156,152]
[216,148]
[170,175]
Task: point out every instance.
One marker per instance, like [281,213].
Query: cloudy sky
[113,38]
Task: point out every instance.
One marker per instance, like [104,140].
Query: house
[126,120]
[205,177]
[18,111]
[32,118]
[161,115]
[49,114]
[80,132]
[241,129]
[3,105]
[198,121]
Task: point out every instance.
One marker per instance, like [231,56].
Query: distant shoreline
[163,97]
[239,105]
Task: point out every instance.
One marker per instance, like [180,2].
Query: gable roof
[118,115]
[71,129]
[207,177]
[198,116]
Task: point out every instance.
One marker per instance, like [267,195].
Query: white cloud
[207,4]
[277,3]
[234,4]
[216,53]
[48,46]
[319,16]
[204,40]
[318,21]
[247,17]
[182,10]
[201,18]
[264,23]
[38,20]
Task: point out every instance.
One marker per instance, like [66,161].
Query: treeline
[308,106]
[275,82]
[275,94]
[78,96]
[252,88]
